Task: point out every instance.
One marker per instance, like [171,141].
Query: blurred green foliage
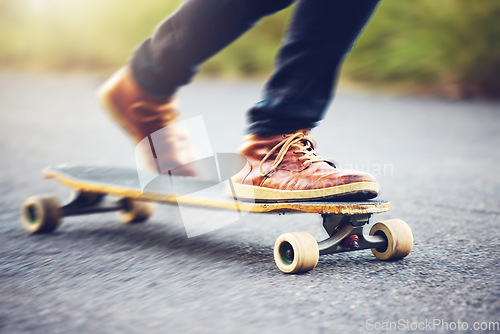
[447,47]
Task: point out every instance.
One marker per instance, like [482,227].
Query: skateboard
[106,189]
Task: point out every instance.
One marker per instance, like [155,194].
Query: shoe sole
[352,191]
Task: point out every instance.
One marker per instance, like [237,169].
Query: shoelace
[303,145]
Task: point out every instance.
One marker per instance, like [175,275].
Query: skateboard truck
[346,234]
[299,251]
[43,214]
[84,203]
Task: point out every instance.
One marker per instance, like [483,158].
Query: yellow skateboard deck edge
[230,204]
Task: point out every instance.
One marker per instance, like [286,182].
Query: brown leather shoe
[286,168]
[141,115]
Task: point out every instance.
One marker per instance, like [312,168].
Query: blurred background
[420,117]
[447,48]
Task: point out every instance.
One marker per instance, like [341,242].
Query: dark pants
[321,33]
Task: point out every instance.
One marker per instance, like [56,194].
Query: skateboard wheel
[399,239]
[296,252]
[135,211]
[41,214]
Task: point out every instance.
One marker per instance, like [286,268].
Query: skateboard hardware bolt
[351,242]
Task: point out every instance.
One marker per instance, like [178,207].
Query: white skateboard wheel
[296,252]
[41,214]
[399,239]
[135,211]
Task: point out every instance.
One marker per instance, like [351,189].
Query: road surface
[437,162]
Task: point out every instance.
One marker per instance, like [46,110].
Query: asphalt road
[437,162]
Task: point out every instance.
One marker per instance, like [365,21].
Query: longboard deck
[124,182]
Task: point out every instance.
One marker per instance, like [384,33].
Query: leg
[140,96]
[197,31]
[282,164]
[141,99]
[321,33]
